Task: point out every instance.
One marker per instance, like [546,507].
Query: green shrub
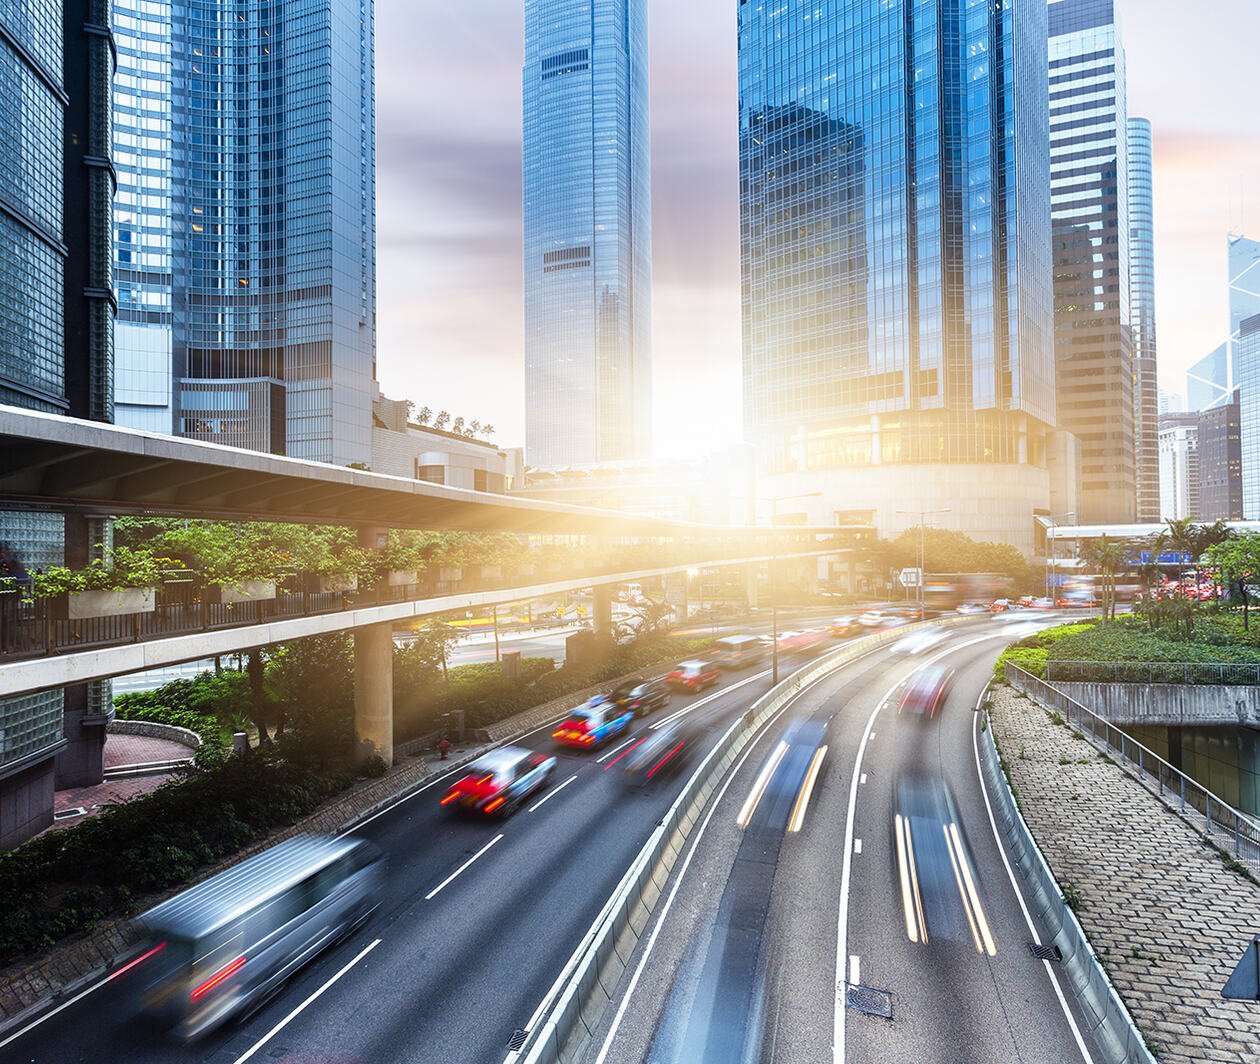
[1030,659]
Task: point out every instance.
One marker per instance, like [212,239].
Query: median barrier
[1117,1037]
[570,1020]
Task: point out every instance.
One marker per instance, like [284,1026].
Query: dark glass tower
[895,248]
[588,218]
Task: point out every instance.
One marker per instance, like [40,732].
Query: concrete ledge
[1173,705]
[151,730]
[1117,1036]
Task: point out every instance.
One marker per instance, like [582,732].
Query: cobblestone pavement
[1165,914]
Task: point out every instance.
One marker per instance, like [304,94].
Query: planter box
[402,578]
[337,582]
[84,605]
[244,591]
[449,574]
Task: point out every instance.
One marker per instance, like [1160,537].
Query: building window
[433,474]
[571,62]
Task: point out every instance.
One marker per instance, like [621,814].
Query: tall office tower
[247,244]
[1220,462]
[1095,367]
[1142,316]
[55,339]
[588,238]
[1179,466]
[895,238]
[1211,381]
[1249,413]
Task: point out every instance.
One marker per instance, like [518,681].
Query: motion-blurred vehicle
[497,782]
[1043,603]
[693,675]
[801,642]
[593,725]
[663,754]
[972,607]
[1000,605]
[926,692]
[739,651]
[844,627]
[641,696]
[917,642]
[889,617]
[211,952]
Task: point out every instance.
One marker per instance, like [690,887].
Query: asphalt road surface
[851,862]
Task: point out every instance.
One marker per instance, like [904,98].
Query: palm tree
[1149,571]
[1107,555]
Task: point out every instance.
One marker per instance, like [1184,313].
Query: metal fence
[1219,821]
[1241,674]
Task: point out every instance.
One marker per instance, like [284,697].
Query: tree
[1238,561]
[1107,556]
[442,420]
[424,416]
[431,648]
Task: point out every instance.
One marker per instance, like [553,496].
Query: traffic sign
[911,577]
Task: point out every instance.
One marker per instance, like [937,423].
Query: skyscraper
[1096,372]
[895,251]
[1211,381]
[56,351]
[1142,316]
[1249,413]
[246,247]
[588,217]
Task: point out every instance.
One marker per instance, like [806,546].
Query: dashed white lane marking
[462,868]
[863,778]
[855,971]
[551,794]
[857,845]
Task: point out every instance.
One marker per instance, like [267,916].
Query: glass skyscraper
[1142,316]
[1249,413]
[246,245]
[1211,381]
[895,231]
[1094,355]
[588,217]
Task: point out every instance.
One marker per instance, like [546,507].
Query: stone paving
[141,750]
[1164,913]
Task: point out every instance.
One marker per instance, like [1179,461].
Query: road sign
[911,577]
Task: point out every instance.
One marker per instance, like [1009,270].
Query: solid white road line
[621,746]
[551,794]
[656,725]
[1019,894]
[451,878]
[842,922]
[678,882]
[298,1011]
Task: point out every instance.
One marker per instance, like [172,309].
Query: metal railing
[1219,821]
[1222,673]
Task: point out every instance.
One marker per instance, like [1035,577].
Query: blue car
[593,725]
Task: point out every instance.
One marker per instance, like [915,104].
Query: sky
[450,304]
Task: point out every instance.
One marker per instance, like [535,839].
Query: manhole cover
[518,1039]
[869,1001]
[1045,953]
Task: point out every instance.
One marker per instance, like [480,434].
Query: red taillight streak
[623,754]
[451,797]
[495,804]
[139,960]
[664,759]
[226,972]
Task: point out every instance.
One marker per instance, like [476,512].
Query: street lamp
[1052,543]
[923,516]
[774,558]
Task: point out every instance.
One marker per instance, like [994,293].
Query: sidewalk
[75,804]
[1166,914]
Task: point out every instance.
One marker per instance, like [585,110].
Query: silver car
[498,782]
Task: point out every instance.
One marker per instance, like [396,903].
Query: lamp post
[923,516]
[774,559]
[1053,544]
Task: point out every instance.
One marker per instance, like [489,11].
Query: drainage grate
[869,1001]
[518,1039]
[1045,953]
[66,814]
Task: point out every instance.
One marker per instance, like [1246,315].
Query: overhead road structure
[1048,530]
[50,462]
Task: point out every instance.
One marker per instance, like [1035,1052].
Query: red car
[925,693]
[694,675]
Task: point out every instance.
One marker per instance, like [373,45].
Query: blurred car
[497,782]
[999,605]
[593,725]
[801,642]
[213,951]
[972,607]
[925,693]
[844,627]
[1043,603]
[917,642]
[693,675]
[875,618]
[665,753]
[739,651]
[641,696]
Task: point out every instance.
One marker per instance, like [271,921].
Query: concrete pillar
[374,692]
[676,593]
[602,608]
[26,803]
[751,575]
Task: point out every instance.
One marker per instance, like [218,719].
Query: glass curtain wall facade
[1094,354]
[246,223]
[1142,316]
[895,238]
[1211,381]
[588,217]
[1249,413]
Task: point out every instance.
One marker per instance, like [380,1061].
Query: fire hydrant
[444,747]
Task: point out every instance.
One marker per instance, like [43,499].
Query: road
[853,849]
[476,923]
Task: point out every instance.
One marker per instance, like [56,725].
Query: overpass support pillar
[374,692]
[602,602]
[676,594]
[751,575]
